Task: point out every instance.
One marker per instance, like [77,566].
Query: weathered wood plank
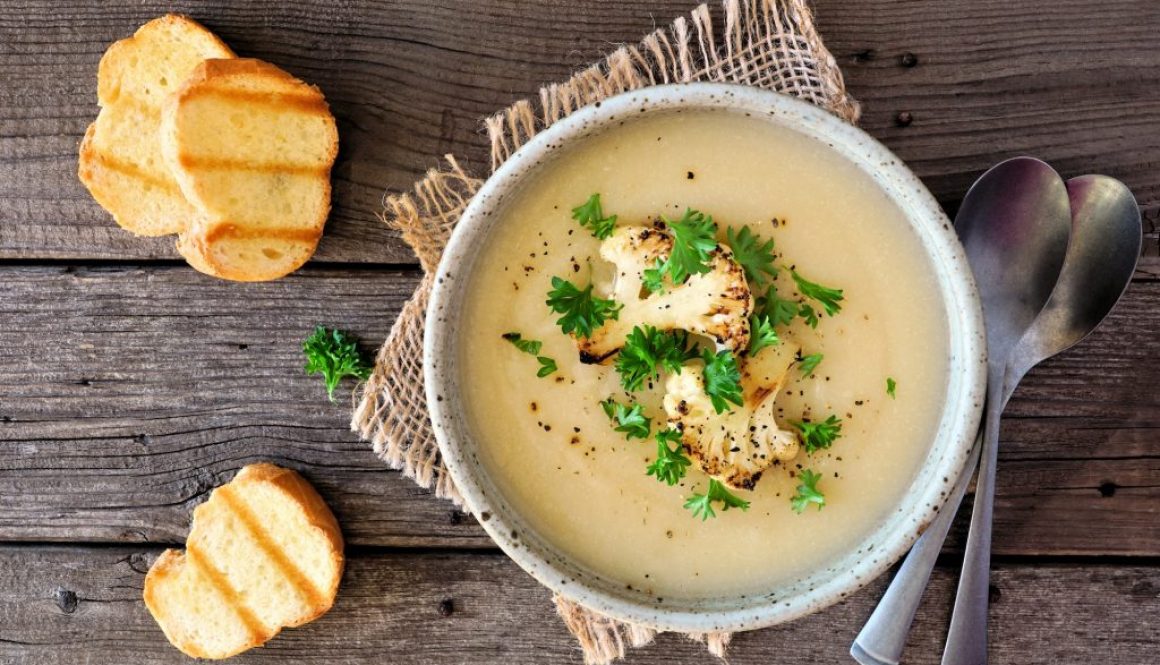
[409,81]
[126,394]
[68,604]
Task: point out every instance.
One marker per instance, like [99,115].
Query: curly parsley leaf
[590,214]
[653,279]
[780,312]
[827,297]
[722,379]
[582,311]
[694,237]
[526,345]
[807,492]
[646,351]
[755,257]
[671,464]
[808,314]
[702,504]
[532,347]
[819,436]
[761,334]
[334,355]
[890,386]
[807,364]
[547,366]
[629,421]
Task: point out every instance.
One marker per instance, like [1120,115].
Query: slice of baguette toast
[264,552]
[120,156]
[252,147]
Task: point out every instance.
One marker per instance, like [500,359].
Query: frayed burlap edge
[770,44]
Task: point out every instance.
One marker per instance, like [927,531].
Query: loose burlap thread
[769,44]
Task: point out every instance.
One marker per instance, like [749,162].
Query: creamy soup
[551,448]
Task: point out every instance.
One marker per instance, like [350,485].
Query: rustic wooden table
[131,385]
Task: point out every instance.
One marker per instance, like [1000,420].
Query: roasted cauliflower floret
[734,446]
[716,304]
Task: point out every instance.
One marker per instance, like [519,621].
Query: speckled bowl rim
[892,536]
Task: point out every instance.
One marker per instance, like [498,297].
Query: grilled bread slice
[264,552]
[252,148]
[120,156]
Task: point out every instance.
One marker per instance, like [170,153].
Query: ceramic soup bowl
[834,579]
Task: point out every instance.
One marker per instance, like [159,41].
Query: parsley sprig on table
[807,492]
[722,379]
[334,355]
[647,351]
[819,436]
[671,464]
[582,312]
[702,504]
[891,386]
[590,214]
[628,420]
[755,257]
[532,347]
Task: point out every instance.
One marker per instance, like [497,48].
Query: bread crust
[119,160]
[224,243]
[163,579]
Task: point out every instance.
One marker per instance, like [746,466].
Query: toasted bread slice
[252,148]
[120,157]
[264,553]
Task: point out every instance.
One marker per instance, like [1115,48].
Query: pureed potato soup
[864,370]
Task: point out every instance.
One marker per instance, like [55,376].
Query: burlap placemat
[768,44]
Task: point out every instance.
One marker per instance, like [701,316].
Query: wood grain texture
[62,605]
[409,80]
[126,394]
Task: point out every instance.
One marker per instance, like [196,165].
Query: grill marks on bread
[264,553]
[120,157]
[252,148]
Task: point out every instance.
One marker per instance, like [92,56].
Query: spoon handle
[967,638]
[883,638]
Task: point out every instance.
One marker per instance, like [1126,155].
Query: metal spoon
[1025,205]
[1102,264]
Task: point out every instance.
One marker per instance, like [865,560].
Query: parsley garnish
[547,366]
[828,298]
[590,214]
[890,386]
[819,436]
[761,334]
[526,345]
[629,421]
[807,492]
[755,257]
[532,347]
[653,278]
[808,314]
[582,312]
[807,364]
[722,379]
[780,312]
[334,355]
[694,237]
[646,351]
[702,504]
[671,463]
